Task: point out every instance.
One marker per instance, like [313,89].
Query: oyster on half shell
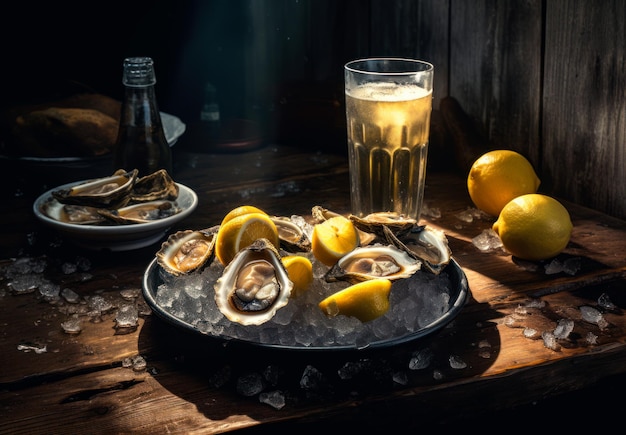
[155,186]
[254,285]
[186,251]
[141,212]
[108,192]
[373,261]
[293,237]
[428,245]
[375,222]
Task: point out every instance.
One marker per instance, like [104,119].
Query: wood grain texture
[584,127]
[82,384]
[495,70]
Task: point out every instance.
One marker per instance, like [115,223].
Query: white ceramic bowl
[116,237]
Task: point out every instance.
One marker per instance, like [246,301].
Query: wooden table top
[158,378]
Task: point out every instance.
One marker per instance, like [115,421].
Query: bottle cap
[138,71]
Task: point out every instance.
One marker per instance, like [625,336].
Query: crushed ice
[487,240]
[414,304]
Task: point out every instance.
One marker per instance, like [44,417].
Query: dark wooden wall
[544,77]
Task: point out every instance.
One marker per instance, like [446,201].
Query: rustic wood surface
[81,384]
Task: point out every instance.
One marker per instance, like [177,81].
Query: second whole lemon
[534,227]
[497,177]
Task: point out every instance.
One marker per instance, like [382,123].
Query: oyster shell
[186,251]
[320,214]
[79,214]
[375,222]
[373,261]
[293,237]
[158,185]
[254,285]
[107,192]
[141,212]
[426,244]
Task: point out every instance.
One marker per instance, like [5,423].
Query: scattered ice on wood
[570,266]
[482,344]
[531,333]
[250,384]
[276,399]
[549,341]
[70,296]
[99,304]
[33,347]
[430,212]
[127,316]
[456,362]
[23,284]
[513,322]
[470,214]
[72,326]
[604,301]
[563,328]
[521,309]
[420,359]
[130,294]
[592,315]
[312,379]
[49,290]
[400,378]
[487,240]
[591,338]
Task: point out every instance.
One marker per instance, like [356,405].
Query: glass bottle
[141,142]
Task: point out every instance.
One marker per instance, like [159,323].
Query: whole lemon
[534,227]
[497,177]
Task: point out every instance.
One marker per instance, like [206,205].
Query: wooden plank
[495,70]
[584,112]
[597,241]
[416,30]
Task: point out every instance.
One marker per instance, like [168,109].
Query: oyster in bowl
[94,227]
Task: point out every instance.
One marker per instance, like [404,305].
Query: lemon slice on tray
[241,231]
[333,238]
[300,272]
[366,300]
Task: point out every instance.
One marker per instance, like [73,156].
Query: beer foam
[385,91]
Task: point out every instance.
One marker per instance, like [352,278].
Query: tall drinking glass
[388,107]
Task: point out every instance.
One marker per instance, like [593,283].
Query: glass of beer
[388,107]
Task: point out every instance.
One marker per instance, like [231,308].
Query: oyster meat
[187,251]
[373,261]
[79,214]
[107,192]
[142,212]
[254,285]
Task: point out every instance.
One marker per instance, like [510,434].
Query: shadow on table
[303,379]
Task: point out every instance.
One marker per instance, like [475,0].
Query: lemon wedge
[365,301]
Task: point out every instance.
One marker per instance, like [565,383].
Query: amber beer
[388,128]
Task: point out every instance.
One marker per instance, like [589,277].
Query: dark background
[270,61]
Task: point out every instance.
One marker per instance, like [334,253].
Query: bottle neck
[140,107]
